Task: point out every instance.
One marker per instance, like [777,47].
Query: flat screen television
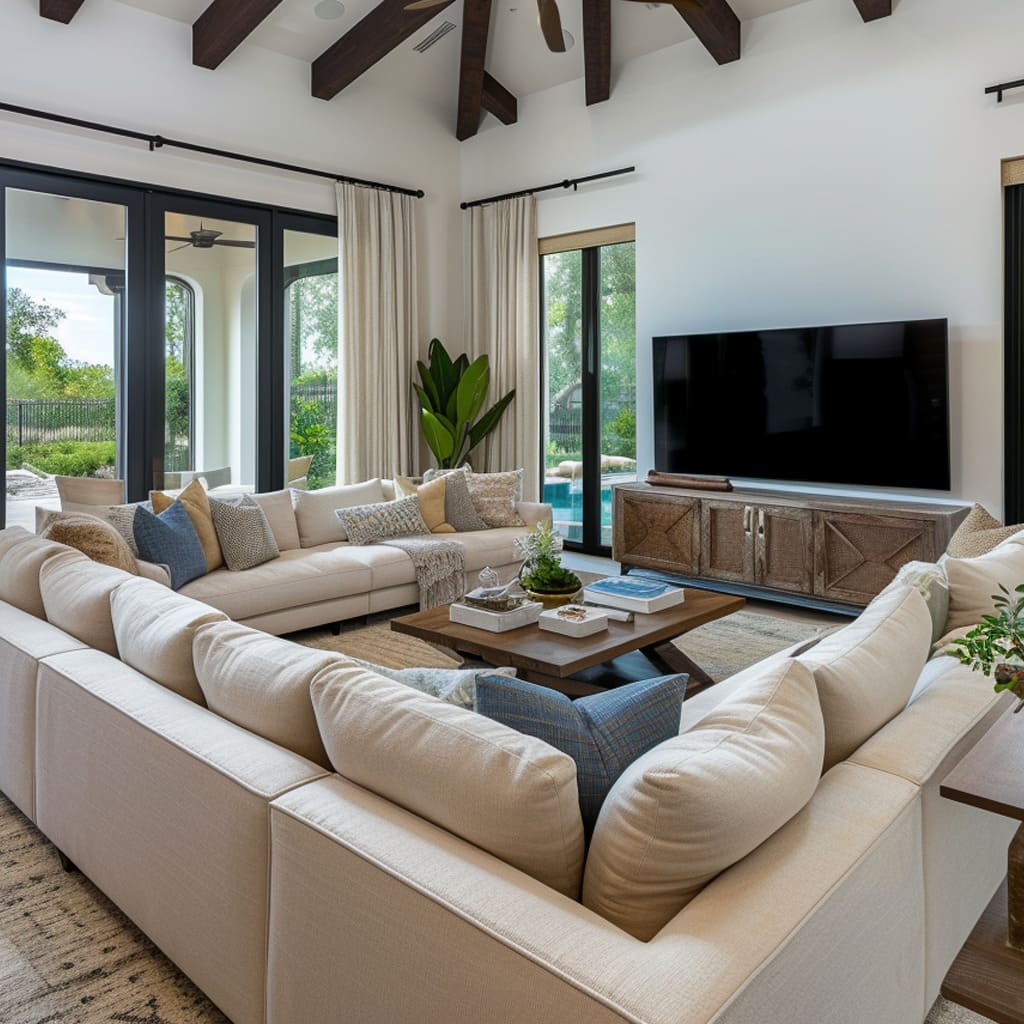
[854,404]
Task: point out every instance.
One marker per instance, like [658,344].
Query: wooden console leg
[65,863]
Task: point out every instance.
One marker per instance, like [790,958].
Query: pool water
[566,500]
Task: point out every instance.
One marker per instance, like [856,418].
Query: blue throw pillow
[603,733]
[170,539]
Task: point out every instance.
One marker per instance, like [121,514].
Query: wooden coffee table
[626,651]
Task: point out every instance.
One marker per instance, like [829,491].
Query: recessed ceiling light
[328,10]
[570,42]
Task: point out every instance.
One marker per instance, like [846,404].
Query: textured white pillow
[974,581]
[866,672]
[699,802]
[512,795]
[261,683]
[314,510]
[154,628]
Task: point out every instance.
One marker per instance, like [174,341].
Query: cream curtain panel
[502,321]
[377,334]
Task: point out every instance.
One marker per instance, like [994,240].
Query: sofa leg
[335,628]
[65,863]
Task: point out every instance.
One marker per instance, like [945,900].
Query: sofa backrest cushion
[22,555]
[866,672]
[261,683]
[76,595]
[973,581]
[699,802]
[314,510]
[278,508]
[512,795]
[930,580]
[91,535]
[154,629]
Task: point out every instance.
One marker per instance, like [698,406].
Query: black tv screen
[855,404]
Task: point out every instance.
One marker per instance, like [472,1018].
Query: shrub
[64,458]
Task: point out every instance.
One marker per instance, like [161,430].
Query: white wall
[839,172]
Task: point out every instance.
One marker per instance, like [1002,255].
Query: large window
[179,376]
[588,329]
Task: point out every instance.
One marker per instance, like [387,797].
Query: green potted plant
[452,394]
[995,646]
[542,574]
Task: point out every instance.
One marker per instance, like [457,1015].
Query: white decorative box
[495,622]
[589,621]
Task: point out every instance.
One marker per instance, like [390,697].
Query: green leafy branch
[995,647]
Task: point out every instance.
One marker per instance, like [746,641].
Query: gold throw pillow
[431,496]
[197,505]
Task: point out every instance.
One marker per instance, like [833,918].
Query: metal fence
[40,420]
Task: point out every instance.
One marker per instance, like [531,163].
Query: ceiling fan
[205,238]
[551,19]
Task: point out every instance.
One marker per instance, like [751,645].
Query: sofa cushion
[197,505]
[865,672]
[314,510]
[973,581]
[244,533]
[94,537]
[603,733]
[261,683]
[154,629]
[490,547]
[510,794]
[22,555]
[978,534]
[698,803]
[280,513]
[367,524]
[76,595]
[170,539]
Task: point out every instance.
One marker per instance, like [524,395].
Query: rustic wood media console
[797,547]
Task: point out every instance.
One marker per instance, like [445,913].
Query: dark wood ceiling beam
[716,25]
[476,24]
[497,100]
[597,49]
[59,10]
[872,10]
[223,26]
[367,42]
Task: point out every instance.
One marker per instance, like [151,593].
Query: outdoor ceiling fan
[205,238]
[551,19]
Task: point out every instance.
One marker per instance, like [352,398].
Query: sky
[87,332]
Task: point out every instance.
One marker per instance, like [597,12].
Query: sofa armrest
[371,906]
[534,512]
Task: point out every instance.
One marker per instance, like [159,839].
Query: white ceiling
[517,56]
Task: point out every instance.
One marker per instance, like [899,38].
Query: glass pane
[311,333]
[65,264]
[210,369]
[563,401]
[618,374]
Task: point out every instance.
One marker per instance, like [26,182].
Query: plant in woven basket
[542,571]
[995,646]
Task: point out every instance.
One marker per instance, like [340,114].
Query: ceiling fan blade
[178,248]
[551,25]
[237,244]
[177,238]
[423,5]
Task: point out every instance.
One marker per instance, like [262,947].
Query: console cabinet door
[784,548]
[857,555]
[727,540]
[657,531]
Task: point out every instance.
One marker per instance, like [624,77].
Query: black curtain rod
[1003,87]
[158,141]
[572,183]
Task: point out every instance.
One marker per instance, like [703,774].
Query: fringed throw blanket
[440,568]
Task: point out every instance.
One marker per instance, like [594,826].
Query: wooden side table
[988,973]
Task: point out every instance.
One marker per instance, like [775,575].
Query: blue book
[632,594]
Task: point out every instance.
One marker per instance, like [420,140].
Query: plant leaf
[489,420]
[429,385]
[437,436]
[473,388]
[443,371]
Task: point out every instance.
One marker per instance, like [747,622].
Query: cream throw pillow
[509,794]
[866,672]
[699,802]
[431,496]
[261,683]
[197,505]
[76,595]
[22,555]
[314,510]
[278,508]
[978,534]
[974,581]
[154,629]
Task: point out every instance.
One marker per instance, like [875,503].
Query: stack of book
[633,595]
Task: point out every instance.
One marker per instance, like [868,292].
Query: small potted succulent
[995,646]
[542,574]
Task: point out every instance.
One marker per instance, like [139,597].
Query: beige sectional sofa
[289,893]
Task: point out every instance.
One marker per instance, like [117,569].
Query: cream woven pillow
[509,794]
[979,533]
[974,581]
[495,496]
[866,672]
[698,803]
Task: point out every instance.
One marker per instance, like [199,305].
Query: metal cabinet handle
[748,517]
[760,522]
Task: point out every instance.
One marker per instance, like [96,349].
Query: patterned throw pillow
[603,733]
[197,504]
[495,496]
[122,519]
[979,534]
[459,509]
[431,495]
[170,539]
[92,536]
[452,685]
[243,530]
[367,524]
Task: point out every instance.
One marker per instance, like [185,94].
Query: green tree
[177,386]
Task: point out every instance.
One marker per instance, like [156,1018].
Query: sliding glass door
[588,333]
